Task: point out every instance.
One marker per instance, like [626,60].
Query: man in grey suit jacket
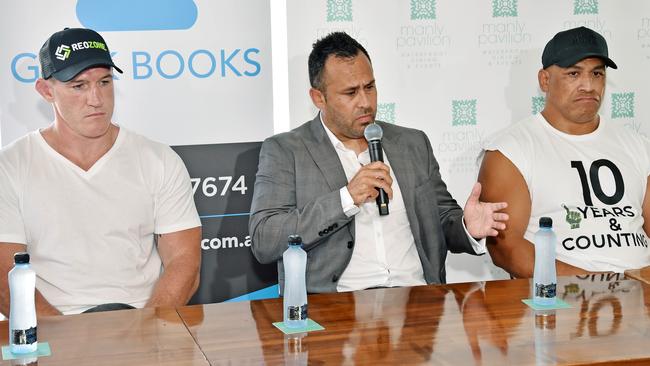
[317,181]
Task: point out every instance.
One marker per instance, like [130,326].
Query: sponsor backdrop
[198,76]
[462,70]
[223,179]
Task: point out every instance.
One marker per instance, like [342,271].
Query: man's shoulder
[134,138]
[20,143]
[517,131]
[529,124]
[296,135]
[19,150]
[393,129]
[136,143]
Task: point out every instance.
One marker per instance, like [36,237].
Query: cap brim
[71,71]
[574,60]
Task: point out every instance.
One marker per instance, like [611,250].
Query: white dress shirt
[384,254]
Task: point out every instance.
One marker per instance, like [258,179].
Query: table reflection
[463,324]
[481,305]
[391,323]
[29,361]
[545,337]
[493,319]
[372,326]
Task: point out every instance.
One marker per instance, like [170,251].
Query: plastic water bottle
[544,277]
[295,290]
[22,311]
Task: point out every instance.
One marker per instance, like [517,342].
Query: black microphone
[373,134]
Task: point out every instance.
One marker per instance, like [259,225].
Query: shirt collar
[335,140]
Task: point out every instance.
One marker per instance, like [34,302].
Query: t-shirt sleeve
[12,229]
[175,208]
[511,145]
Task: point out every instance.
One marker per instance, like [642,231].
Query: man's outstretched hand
[482,218]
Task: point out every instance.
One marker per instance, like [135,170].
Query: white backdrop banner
[195,72]
[462,70]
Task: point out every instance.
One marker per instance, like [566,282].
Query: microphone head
[373,132]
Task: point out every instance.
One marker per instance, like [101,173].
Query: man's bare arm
[502,182]
[181,256]
[7,250]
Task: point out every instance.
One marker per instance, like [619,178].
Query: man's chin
[586,118]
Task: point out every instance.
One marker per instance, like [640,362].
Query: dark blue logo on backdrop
[145,15]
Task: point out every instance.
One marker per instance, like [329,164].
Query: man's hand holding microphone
[373,181]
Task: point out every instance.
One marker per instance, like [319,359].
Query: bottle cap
[295,239]
[545,222]
[21,258]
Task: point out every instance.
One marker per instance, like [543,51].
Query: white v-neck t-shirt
[90,234]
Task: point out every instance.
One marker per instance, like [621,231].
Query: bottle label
[297,312]
[545,291]
[23,336]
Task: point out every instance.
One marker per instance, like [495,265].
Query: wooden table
[642,274]
[460,324]
[127,337]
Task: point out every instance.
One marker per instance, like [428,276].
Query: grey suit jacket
[297,192]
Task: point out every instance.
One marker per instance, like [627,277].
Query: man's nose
[94,97]
[587,83]
[364,99]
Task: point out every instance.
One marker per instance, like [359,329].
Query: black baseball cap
[571,46]
[70,51]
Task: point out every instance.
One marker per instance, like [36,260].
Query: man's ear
[317,97]
[44,88]
[543,77]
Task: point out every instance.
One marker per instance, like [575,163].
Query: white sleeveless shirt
[592,186]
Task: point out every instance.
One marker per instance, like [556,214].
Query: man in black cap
[106,215]
[571,164]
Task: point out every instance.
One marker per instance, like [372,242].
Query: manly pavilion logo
[423,9]
[459,146]
[587,15]
[622,105]
[504,8]
[338,18]
[423,41]
[463,112]
[585,7]
[503,40]
[339,10]
[538,104]
[386,112]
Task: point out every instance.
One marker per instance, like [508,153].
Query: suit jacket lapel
[324,155]
[402,166]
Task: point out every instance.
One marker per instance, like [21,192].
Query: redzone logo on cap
[63,51]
